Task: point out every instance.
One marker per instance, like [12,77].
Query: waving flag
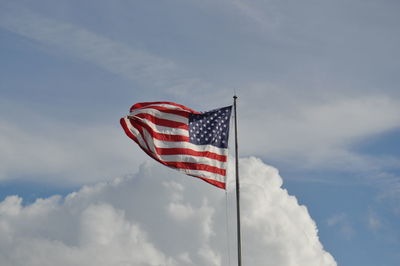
[192,142]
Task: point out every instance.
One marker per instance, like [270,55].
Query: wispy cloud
[265,18]
[374,223]
[64,153]
[342,222]
[112,55]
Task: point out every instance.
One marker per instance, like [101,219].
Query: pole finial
[234,93]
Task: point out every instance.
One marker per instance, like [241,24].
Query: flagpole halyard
[239,245]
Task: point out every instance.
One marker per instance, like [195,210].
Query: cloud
[64,153]
[115,56]
[105,237]
[111,55]
[255,14]
[374,222]
[158,217]
[342,222]
[314,132]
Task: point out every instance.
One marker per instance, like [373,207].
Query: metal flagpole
[239,245]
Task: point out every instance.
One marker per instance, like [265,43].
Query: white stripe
[204,174]
[160,114]
[164,130]
[188,145]
[193,159]
[136,133]
[166,105]
[149,140]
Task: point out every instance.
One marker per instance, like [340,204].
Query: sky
[319,131]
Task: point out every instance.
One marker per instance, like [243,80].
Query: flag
[189,141]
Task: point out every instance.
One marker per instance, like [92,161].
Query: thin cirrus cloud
[123,223]
[341,223]
[111,55]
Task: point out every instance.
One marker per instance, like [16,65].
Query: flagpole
[239,245]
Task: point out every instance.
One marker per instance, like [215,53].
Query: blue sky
[318,99]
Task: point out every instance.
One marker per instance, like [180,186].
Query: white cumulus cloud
[159,217]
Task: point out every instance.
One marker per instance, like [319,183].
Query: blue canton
[210,128]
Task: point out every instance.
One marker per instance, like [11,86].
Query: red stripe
[167,110]
[196,166]
[127,131]
[130,134]
[156,135]
[133,137]
[140,129]
[185,151]
[144,104]
[162,122]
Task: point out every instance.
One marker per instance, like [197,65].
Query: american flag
[189,141]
